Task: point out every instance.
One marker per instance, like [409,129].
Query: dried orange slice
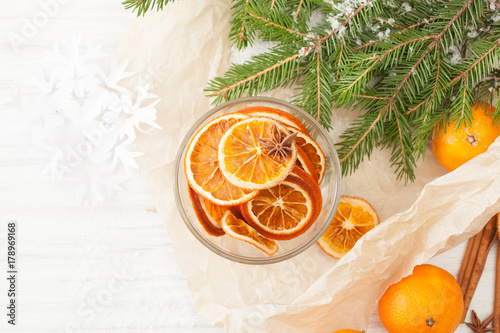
[312,182]
[354,218]
[276,114]
[209,215]
[202,167]
[238,229]
[244,160]
[313,151]
[305,163]
[286,210]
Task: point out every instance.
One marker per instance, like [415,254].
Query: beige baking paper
[178,51]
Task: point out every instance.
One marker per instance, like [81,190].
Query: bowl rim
[179,158]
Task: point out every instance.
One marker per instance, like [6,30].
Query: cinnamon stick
[487,238]
[496,309]
[469,266]
[468,256]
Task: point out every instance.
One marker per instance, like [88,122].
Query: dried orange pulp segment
[245,162]
[314,152]
[305,163]
[238,229]
[276,114]
[202,167]
[286,210]
[354,218]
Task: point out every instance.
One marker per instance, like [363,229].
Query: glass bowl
[243,252]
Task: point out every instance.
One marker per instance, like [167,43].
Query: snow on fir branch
[407,65]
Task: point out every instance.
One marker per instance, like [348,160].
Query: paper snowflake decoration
[86,121]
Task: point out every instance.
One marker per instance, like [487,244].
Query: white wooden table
[110,268]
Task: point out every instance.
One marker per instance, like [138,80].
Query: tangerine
[453,147]
[428,300]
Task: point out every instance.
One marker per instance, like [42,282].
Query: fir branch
[356,136]
[401,76]
[464,98]
[318,83]
[373,42]
[422,64]
[401,139]
[239,34]
[142,6]
[476,63]
[427,21]
[359,80]
[263,73]
[317,94]
[256,75]
[372,97]
[340,59]
[410,110]
[387,21]
[269,22]
[370,43]
[298,10]
[438,67]
[406,163]
[434,90]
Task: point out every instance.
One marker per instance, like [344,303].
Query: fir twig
[318,83]
[142,6]
[256,75]
[268,22]
[409,66]
[477,62]
[298,10]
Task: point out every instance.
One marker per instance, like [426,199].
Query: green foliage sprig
[142,6]
[409,66]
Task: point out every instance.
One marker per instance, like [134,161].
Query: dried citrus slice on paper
[209,214]
[354,218]
[238,229]
[276,114]
[314,152]
[286,210]
[305,163]
[246,162]
[202,167]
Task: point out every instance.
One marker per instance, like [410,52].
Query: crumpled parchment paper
[178,51]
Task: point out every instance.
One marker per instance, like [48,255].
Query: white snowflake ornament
[87,121]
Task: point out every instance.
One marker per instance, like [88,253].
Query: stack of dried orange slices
[254,175]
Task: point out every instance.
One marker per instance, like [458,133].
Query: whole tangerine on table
[453,147]
[428,300]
